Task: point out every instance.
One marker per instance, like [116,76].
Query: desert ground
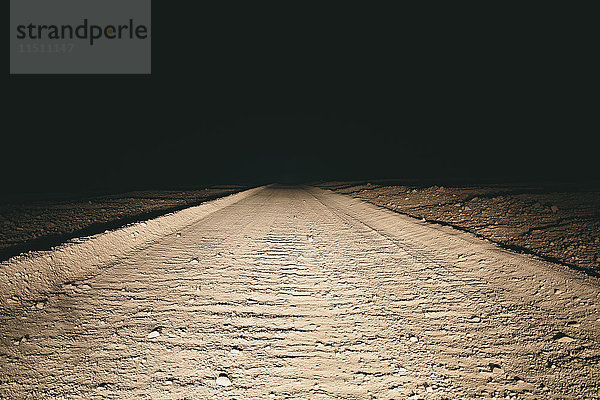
[303,293]
[40,221]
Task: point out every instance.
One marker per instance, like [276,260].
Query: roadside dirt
[39,224]
[556,224]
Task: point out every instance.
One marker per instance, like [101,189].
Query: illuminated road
[300,293]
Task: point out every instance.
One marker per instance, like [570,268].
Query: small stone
[178,235]
[414,339]
[21,340]
[154,334]
[223,380]
[495,368]
[562,338]
[474,319]
[194,261]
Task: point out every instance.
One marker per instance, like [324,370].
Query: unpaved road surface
[300,293]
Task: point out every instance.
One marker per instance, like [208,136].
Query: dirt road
[300,293]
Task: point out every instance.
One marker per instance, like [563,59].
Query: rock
[40,304]
[194,261]
[562,338]
[495,368]
[154,334]
[223,380]
[474,319]
[21,340]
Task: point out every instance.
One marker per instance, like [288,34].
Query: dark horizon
[275,94]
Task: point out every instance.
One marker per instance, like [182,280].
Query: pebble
[21,340]
[194,261]
[154,334]
[223,380]
[496,368]
[562,338]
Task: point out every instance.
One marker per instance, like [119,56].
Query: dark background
[263,92]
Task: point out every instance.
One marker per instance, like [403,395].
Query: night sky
[255,94]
